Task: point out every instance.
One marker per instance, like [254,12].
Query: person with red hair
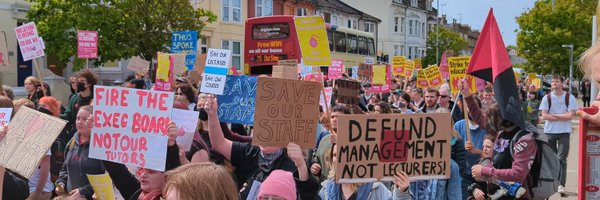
[51,104]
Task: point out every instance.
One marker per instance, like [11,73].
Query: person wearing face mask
[86,79]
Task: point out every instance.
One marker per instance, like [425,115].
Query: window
[371,46]
[264,8]
[423,33]
[301,12]
[327,17]
[355,24]
[236,52]
[334,20]
[396,50]
[231,10]
[410,52]
[362,45]
[330,39]
[414,3]
[369,27]
[395,24]
[203,45]
[410,27]
[429,5]
[340,42]
[352,44]
[270,31]
[349,23]
[402,50]
[402,25]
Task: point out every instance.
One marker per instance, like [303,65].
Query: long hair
[52,104]
[204,180]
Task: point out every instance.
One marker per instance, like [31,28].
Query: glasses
[444,96]
[178,93]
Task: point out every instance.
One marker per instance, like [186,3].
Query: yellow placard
[409,68]
[537,82]
[458,67]
[162,71]
[397,65]
[531,76]
[422,79]
[378,74]
[103,186]
[434,77]
[312,37]
[418,64]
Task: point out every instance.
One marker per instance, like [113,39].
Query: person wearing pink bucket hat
[278,185]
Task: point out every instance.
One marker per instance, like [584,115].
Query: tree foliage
[448,40]
[543,31]
[125,28]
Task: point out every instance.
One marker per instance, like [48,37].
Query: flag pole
[466,113]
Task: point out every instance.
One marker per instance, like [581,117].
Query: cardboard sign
[131,126]
[138,65]
[409,68]
[186,121]
[87,44]
[286,111]
[433,76]
[102,185]
[312,38]
[179,65]
[286,69]
[365,72]
[325,100]
[379,74]
[185,42]
[30,135]
[397,65]
[215,71]
[336,69]
[236,105]
[374,146]
[200,62]
[29,41]
[5,114]
[3,50]
[347,91]
[458,67]
[422,79]
[194,76]
[418,64]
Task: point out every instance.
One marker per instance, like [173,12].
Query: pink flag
[444,66]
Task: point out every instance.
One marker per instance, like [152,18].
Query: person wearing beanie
[280,184]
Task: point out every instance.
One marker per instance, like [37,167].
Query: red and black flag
[490,62]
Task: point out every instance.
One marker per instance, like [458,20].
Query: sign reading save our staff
[215,71]
[373,147]
[286,111]
[131,126]
[312,38]
[236,105]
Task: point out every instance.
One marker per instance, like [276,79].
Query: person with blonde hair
[588,63]
[203,180]
[32,86]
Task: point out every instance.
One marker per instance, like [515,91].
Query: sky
[474,12]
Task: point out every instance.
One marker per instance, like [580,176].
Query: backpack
[549,97]
[545,170]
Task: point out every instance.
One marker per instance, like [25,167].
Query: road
[572,164]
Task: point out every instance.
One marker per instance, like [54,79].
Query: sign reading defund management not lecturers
[374,147]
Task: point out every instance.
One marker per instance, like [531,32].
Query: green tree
[543,30]
[448,41]
[125,28]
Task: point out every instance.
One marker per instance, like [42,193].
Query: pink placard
[87,44]
[29,41]
[336,69]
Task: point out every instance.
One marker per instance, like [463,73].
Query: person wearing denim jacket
[439,189]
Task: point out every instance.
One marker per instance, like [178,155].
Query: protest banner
[179,65]
[102,185]
[316,77]
[325,100]
[336,69]
[531,76]
[418,64]
[369,60]
[458,67]
[286,111]
[131,126]
[5,114]
[236,104]
[433,76]
[365,72]
[185,42]
[286,69]
[397,65]
[87,44]
[347,91]
[409,68]
[537,83]
[312,38]
[380,88]
[215,71]
[200,62]
[379,74]
[373,147]
[30,135]
[138,65]
[164,76]
[186,121]
[422,79]
[29,42]
[3,50]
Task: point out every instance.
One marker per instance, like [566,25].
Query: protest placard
[422,79]
[164,75]
[397,65]
[537,83]
[418,64]
[215,71]
[186,121]
[179,65]
[336,69]
[102,185]
[355,72]
[87,44]
[194,76]
[3,50]
[236,104]
[365,72]
[5,114]
[131,126]
[409,68]
[347,91]
[325,100]
[369,60]
[316,77]
[517,76]
[304,70]
[312,38]
[286,69]
[185,42]
[379,74]
[374,146]
[433,76]
[30,135]
[200,62]
[380,88]
[286,111]
[138,65]
[29,42]
[458,67]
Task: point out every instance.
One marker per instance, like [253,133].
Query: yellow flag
[164,63]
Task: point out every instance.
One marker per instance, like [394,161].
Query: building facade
[465,31]
[13,13]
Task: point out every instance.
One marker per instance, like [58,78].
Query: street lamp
[570,46]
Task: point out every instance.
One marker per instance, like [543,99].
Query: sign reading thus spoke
[185,42]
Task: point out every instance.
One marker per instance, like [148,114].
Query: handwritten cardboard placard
[30,135]
[186,121]
[347,91]
[3,50]
[458,67]
[325,100]
[398,65]
[131,126]
[138,65]
[336,69]
[185,42]
[379,74]
[236,104]
[29,41]
[194,76]
[365,72]
[286,111]
[179,65]
[434,77]
[200,62]
[312,38]
[87,44]
[373,147]
[215,71]
[286,69]
[102,185]
[5,114]
[422,79]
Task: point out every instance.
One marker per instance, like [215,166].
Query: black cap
[138,83]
